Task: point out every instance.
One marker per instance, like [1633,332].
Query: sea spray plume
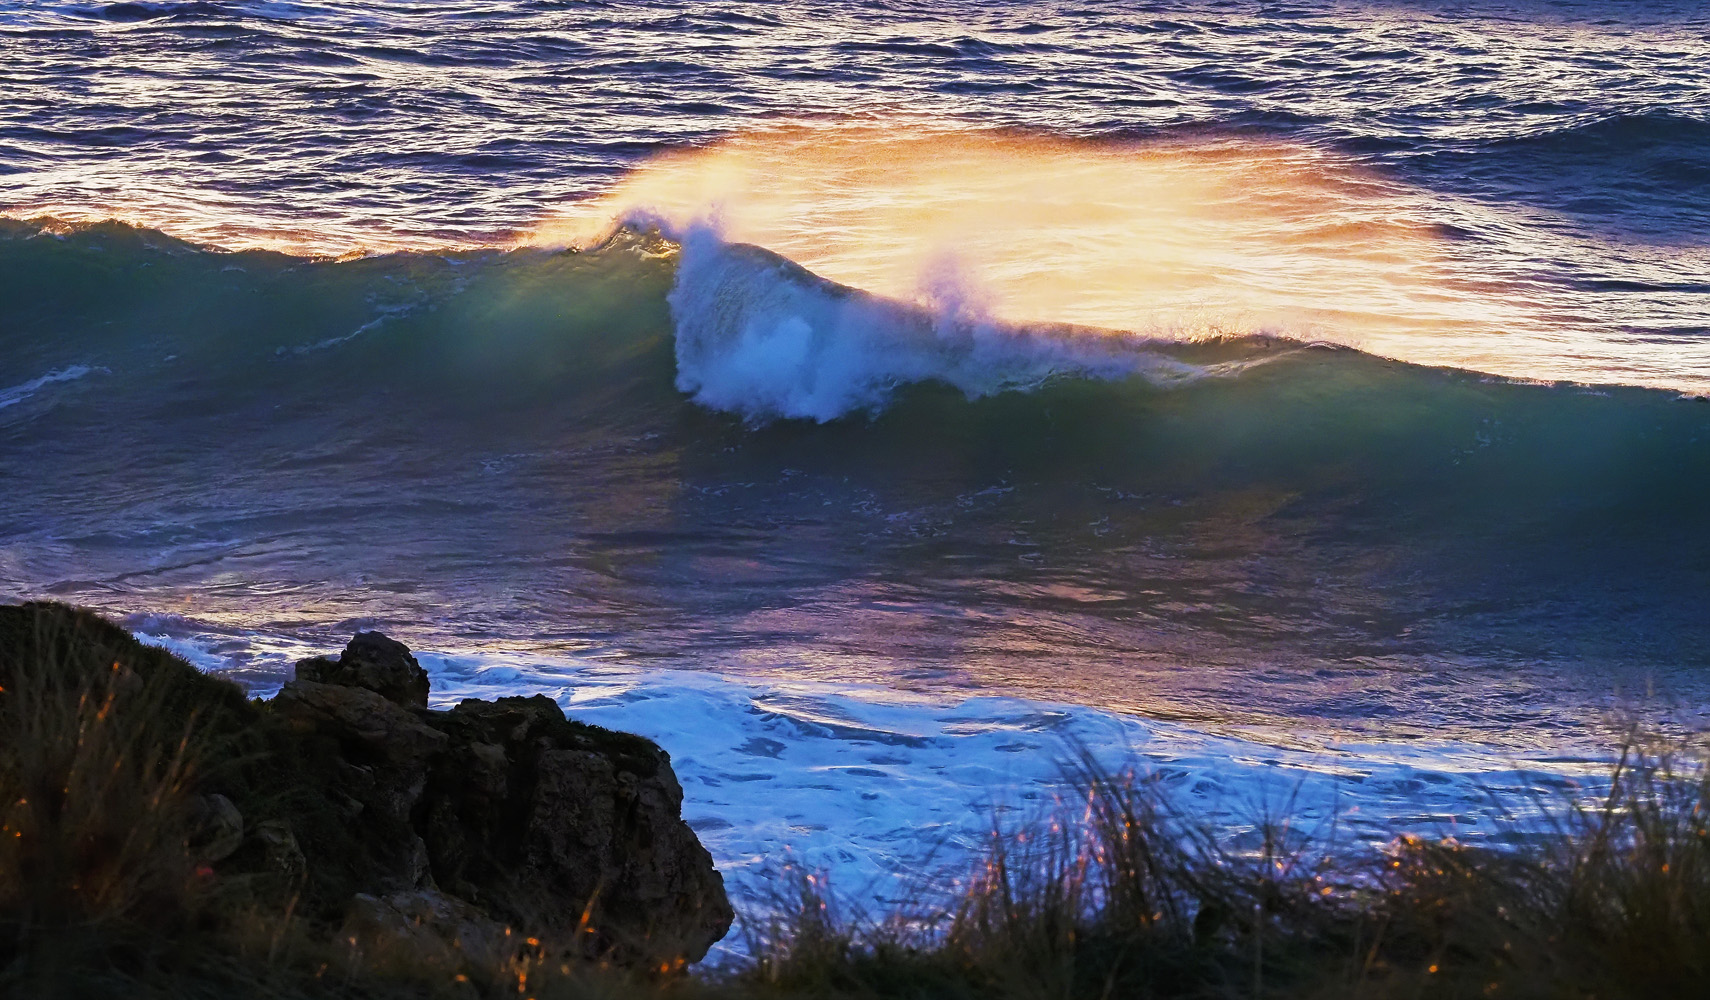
[950,289]
[1173,238]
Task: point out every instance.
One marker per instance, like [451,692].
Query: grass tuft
[1126,895]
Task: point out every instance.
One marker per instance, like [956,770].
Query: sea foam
[880,787]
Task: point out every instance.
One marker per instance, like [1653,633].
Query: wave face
[596,449]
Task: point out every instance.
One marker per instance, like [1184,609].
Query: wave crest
[760,336]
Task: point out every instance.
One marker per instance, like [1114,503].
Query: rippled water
[365,120]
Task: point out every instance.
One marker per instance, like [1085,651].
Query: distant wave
[195,10]
[1620,133]
[1645,174]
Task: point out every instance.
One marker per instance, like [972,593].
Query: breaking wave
[627,333]
[760,336]
[722,456]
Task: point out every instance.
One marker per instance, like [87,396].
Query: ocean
[878,404]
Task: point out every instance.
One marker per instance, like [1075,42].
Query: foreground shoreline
[865,781]
[1127,893]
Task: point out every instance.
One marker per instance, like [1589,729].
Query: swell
[736,358]
[1610,135]
[1642,174]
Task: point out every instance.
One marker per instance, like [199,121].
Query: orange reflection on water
[1174,238]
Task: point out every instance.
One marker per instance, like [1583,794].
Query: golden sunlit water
[1174,239]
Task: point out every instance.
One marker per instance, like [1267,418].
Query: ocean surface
[876,402]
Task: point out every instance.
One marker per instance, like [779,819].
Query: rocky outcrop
[511,810]
[374,662]
[435,836]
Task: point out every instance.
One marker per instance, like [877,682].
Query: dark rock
[375,662]
[383,754]
[540,822]
[353,802]
[550,820]
[429,929]
[215,828]
[279,845]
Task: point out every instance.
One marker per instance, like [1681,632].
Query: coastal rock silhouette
[440,838]
[376,662]
[532,818]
